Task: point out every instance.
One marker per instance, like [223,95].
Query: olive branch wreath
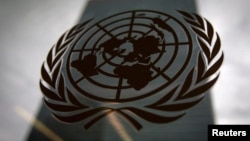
[60,99]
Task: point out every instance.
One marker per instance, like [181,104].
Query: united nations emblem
[141,65]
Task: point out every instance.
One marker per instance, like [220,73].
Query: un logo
[136,64]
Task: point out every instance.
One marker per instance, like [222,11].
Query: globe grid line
[110,34]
